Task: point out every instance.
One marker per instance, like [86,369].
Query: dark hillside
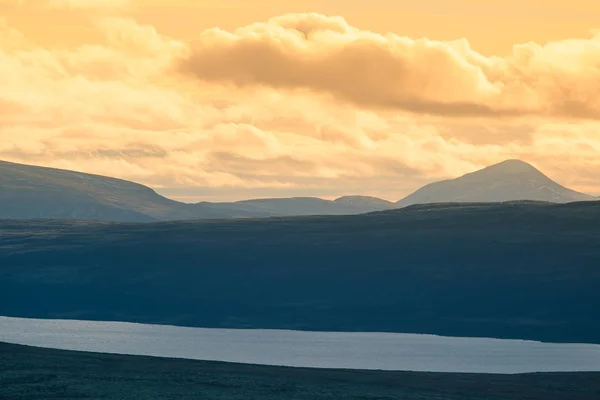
[514,270]
[33,373]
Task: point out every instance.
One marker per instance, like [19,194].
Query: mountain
[37,373]
[28,192]
[524,270]
[506,181]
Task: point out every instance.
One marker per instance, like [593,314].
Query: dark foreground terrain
[33,373]
[507,270]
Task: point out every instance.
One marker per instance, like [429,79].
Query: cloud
[117,108]
[327,55]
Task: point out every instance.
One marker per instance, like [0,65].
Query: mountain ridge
[29,191]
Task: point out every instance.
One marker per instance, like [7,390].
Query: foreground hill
[507,181]
[515,270]
[34,373]
[28,192]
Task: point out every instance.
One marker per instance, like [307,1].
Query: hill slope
[38,192]
[507,181]
[28,192]
[516,270]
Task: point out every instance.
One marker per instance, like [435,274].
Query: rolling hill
[507,181]
[368,202]
[28,192]
[315,206]
[526,270]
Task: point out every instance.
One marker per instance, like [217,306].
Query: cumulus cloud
[117,108]
[327,55]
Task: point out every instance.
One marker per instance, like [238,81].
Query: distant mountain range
[33,192]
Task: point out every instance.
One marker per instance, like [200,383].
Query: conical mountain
[510,180]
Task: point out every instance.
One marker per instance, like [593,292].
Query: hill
[368,202]
[29,192]
[295,206]
[34,373]
[507,181]
[514,270]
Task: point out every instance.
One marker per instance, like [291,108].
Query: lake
[353,350]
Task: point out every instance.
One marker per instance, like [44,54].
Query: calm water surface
[386,351]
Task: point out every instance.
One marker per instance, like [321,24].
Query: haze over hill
[506,181]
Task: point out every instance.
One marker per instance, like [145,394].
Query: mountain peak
[509,180]
[513,163]
[512,166]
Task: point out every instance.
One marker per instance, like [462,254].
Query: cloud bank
[327,55]
[297,105]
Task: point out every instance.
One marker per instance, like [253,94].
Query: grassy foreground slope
[513,270]
[33,373]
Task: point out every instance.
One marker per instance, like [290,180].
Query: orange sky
[321,98]
[491,26]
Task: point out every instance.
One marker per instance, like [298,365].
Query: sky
[234,99]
